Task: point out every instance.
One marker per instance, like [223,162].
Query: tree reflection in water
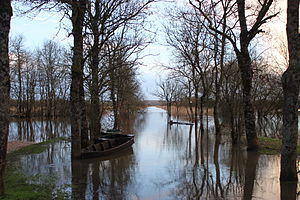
[166,163]
[103,179]
[250,174]
[202,175]
[288,191]
[79,178]
[2,186]
[38,130]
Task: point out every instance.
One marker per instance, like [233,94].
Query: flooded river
[166,162]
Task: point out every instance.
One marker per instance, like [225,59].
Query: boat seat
[98,147]
[122,140]
[91,148]
[112,143]
[105,145]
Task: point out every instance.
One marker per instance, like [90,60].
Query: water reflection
[288,191]
[251,163]
[38,130]
[2,169]
[165,163]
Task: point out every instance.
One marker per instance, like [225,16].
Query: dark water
[164,163]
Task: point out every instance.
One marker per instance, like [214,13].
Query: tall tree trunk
[217,87]
[219,74]
[245,67]
[244,63]
[196,104]
[20,87]
[290,83]
[5,17]
[190,99]
[95,103]
[79,135]
[201,111]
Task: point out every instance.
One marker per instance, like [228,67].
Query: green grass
[33,149]
[18,186]
[271,145]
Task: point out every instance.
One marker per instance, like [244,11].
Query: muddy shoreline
[16,145]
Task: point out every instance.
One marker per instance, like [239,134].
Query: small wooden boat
[107,145]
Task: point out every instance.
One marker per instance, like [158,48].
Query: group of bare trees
[204,39]
[99,75]
[108,38]
[214,50]
[39,79]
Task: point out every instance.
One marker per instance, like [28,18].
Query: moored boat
[107,145]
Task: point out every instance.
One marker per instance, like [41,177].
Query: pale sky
[46,26]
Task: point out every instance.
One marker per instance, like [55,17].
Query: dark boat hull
[108,145]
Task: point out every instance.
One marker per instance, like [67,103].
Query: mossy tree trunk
[244,63]
[78,115]
[245,67]
[5,18]
[95,60]
[290,83]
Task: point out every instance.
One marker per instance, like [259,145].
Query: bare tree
[249,26]
[290,84]
[193,51]
[166,90]
[79,125]
[104,20]
[52,69]
[231,100]
[267,94]
[17,61]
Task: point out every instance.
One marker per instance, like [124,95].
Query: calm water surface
[164,163]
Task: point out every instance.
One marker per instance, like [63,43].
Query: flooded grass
[166,162]
[21,186]
[33,149]
[17,186]
[272,146]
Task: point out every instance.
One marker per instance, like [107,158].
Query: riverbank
[16,145]
[272,145]
[184,111]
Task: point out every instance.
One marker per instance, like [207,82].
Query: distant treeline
[40,83]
